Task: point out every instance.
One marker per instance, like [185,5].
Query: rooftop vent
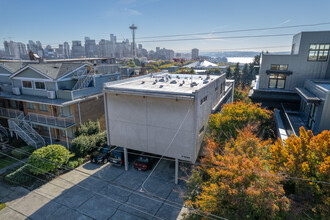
[178,77]
[142,82]
[193,84]
[173,82]
[181,84]
[161,86]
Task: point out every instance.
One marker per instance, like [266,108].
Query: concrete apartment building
[44,102]
[194,54]
[164,114]
[298,84]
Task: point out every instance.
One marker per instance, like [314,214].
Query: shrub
[75,162]
[22,152]
[101,138]
[20,177]
[88,128]
[48,159]
[82,145]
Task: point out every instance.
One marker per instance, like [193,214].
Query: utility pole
[133,28]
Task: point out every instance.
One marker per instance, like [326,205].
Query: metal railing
[62,122]
[9,113]
[84,79]
[4,131]
[25,131]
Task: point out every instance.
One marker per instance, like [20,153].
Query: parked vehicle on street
[144,163]
[101,155]
[117,156]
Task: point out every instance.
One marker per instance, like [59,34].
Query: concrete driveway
[102,192]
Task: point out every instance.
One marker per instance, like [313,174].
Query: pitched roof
[201,64]
[13,66]
[56,70]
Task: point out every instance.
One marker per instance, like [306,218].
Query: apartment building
[297,85]
[45,102]
[164,114]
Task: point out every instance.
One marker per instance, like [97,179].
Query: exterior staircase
[84,78]
[23,129]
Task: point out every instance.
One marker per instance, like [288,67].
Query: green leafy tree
[229,73]
[88,128]
[48,159]
[83,144]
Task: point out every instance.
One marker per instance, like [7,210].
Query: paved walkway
[76,195]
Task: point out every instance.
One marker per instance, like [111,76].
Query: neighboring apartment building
[164,114]
[298,83]
[47,101]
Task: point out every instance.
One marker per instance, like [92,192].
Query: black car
[117,156]
[101,155]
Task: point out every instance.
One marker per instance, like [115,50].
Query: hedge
[22,152]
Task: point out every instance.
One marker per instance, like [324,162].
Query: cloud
[131,12]
[122,12]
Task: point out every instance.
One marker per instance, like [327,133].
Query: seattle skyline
[70,20]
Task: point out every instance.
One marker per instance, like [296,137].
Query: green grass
[4,162]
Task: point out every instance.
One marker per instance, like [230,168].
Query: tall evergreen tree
[245,75]
[229,74]
[236,74]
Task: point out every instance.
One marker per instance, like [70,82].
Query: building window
[312,116]
[40,85]
[43,107]
[27,84]
[203,100]
[276,81]
[283,67]
[66,111]
[318,52]
[30,105]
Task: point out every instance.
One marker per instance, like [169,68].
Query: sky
[56,21]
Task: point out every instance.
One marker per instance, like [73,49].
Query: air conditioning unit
[51,94]
[16,91]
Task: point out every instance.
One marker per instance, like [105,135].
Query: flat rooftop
[162,83]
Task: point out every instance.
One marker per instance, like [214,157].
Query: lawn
[6,162]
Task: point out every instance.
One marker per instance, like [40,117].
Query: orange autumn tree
[306,157]
[237,184]
[236,116]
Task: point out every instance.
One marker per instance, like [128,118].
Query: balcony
[9,113]
[50,121]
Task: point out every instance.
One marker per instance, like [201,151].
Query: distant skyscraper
[7,50]
[90,47]
[66,50]
[194,54]
[77,49]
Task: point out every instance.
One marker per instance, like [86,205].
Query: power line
[234,31]
[178,205]
[213,38]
